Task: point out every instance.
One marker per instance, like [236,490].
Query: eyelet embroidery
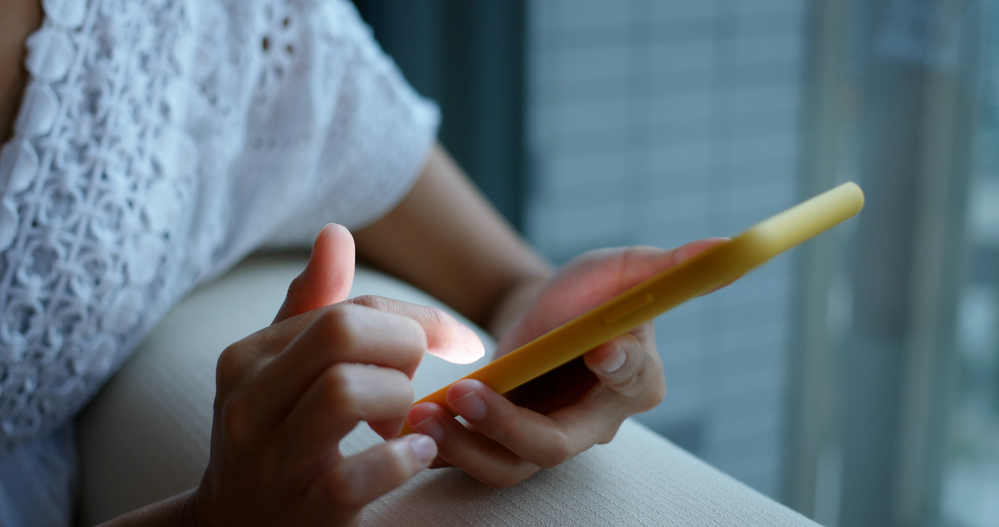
[280,46]
[143,118]
[77,252]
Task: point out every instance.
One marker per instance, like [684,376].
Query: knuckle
[610,434]
[294,287]
[337,391]
[409,393]
[343,487]
[236,421]
[502,429]
[648,389]
[435,316]
[416,329]
[559,451]
[629,383]
[417,336]
[339,327]
[398,468]
[412,330]
[353,484]
[645,385]
[655,395]
[229,368]
[372,301]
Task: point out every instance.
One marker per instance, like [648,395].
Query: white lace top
[159,142]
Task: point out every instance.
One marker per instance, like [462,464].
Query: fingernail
[424,447]
[430,427]
[614,362]
[470,406]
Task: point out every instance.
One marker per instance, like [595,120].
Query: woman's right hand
[289,393]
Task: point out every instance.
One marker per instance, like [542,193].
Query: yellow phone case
[718,265]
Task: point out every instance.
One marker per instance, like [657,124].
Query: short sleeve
[380,134]
[158,144]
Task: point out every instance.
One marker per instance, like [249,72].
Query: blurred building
[855,379]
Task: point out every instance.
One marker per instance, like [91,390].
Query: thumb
[327,278]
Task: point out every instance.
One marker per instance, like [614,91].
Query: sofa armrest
[146,436]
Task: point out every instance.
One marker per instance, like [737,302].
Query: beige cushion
[146,435]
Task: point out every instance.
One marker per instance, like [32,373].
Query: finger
[631,381]
[544,441]
[344,333]
[691,249]
[370,330]
[353,482]
[239,364]
[342,396]
[630,366]
[556,389]
[446,337]
[477,455]
[366,329]
[328,276]
[540,439]
[591,279]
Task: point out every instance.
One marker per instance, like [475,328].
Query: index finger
[446,337]
[368,330]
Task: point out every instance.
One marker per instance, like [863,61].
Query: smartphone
[715,266]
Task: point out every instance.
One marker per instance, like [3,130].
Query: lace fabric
[160,141]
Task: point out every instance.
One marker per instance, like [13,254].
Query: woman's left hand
[555,417]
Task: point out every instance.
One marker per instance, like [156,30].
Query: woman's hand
[288,394]
[565,412]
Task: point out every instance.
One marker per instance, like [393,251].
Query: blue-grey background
[855,379]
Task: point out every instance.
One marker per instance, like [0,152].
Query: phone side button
[627,307]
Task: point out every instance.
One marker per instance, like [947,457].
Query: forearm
[177,511]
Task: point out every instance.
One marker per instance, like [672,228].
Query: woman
[149,146]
